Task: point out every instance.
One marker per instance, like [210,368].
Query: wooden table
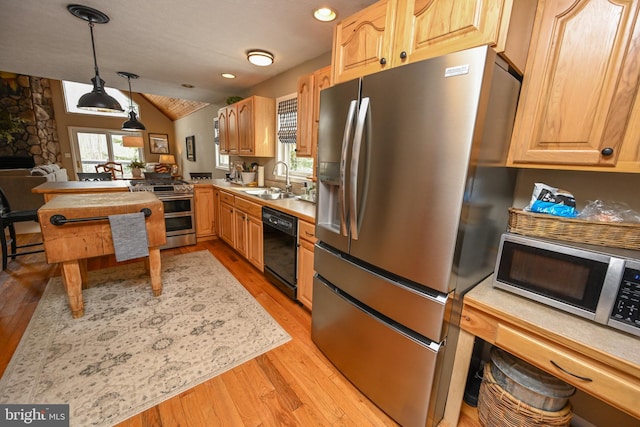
[598,360]
[72,243]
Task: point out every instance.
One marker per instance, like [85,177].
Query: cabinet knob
[607,151]
[403,54]
[383,61]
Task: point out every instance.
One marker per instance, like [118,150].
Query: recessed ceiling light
[261,58]
[324,14]
[228,75]
[187,85]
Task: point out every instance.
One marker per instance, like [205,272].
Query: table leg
[154,271]
[72,278]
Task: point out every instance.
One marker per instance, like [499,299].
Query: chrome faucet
[287,186]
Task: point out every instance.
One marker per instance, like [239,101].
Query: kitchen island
[78,227]
[51,189]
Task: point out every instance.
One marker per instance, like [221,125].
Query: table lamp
[169,159]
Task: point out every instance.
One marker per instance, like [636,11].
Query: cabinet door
[223,130]
[362,42]
[232,129]
[321,80]
[304,131]
[227,224]
[241,232]
[204,205]
[305,273]
[255,250]
[579,84]
[246,131]
[429,28]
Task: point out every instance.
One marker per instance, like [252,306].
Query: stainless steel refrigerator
[412,198]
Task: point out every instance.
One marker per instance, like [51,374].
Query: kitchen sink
[268,194]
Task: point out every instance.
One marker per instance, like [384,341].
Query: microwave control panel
[627,306]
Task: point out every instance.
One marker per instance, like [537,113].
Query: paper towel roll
[260,176]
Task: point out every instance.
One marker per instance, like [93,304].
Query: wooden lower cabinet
[205,218]
[240,225]
[226,228]
[307,239]
[254,247]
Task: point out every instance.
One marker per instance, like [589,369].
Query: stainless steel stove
[177,199]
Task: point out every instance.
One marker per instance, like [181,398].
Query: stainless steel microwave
[597,283]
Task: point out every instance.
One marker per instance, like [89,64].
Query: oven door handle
[176,197]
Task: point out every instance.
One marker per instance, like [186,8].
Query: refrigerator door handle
[355,163]
[344,211]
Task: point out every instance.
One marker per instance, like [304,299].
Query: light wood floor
[292,385]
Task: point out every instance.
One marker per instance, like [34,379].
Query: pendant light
[97,99]
[133,123]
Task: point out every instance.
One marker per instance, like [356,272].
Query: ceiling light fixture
[261,58]
[97,99]
[133,123]
[324,14]
[228,75]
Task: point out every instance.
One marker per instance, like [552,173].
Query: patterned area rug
[130,350]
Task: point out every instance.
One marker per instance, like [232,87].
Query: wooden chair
[113,168]
[7,220]
[94,176]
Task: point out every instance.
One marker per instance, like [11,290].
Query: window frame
[222,160]
[284,151]
[109,133]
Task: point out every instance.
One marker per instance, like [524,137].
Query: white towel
[129,235]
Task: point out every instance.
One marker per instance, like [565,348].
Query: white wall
[200,125]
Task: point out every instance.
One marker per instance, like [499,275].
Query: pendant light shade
[97,99]
[133,123]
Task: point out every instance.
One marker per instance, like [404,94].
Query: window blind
[287,120]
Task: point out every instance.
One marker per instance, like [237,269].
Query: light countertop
[305,211]
[568,328]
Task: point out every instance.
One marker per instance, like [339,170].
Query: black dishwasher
[280,239]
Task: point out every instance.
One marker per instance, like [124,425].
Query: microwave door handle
[343,167]
[355,164]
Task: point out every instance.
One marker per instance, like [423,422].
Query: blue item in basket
[554,209]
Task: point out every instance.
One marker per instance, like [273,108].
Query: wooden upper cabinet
[321,80]
[362,42]
[579,86]
[232,129]
[223,131]
[304,130]
[309,87]
[429,28]
[248,127]
[390,33]
[245,125]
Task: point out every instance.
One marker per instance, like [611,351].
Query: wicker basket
[498,408]
[613,234]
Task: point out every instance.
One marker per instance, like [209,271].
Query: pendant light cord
[130,94]
[95,60]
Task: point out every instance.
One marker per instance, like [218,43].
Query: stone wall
[30,99]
